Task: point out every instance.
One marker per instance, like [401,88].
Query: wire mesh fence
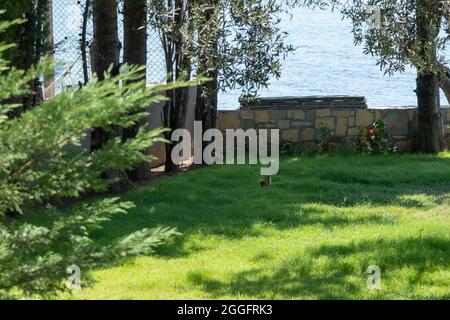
[67,18]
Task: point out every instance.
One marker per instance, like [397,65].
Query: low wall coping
[306,102]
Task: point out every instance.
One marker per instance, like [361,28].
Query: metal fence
[67,21]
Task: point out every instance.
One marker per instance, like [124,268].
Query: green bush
[41,158]
[376,140]
[325,138]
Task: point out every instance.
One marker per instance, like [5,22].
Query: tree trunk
[49,85]
[207,93]
[430,132]
[135,32]
[84,43]
[106,54]
[430,136]
[176,108]
[177,115]
[106,38]
[206,104]
[135,53]
[30,39]
[207,100]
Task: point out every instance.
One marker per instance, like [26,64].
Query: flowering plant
[377,139]
[380,138]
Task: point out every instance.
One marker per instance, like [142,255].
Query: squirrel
[267,182]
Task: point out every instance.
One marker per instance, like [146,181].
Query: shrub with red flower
[377,139]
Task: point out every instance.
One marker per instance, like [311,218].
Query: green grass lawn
[312,235]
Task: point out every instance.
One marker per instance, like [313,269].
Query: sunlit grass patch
[311,235]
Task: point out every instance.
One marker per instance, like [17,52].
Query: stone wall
[301,125]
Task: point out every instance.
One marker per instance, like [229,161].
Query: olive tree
[234,44]
[238,45]
[410,33]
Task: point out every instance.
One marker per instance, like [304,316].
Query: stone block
[290,135]
[341,126]
[364,118]
[301,124]
[275,115]
[247,115]
[328,122]
[247,124]
[308,134]
[298,115]
[354,131]
[414,122]
[381,113]
[412,114]
[229,120]
[283,124]
[399,121]
[378,114]
[447,139]
[351,121]
[310,115]
[323,113]
[290,114]
[447,128]
[262,116]
[341,113]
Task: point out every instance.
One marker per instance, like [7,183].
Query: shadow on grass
[227,201]
[325,192]
[338,272]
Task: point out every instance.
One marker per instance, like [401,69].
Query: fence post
[49,81]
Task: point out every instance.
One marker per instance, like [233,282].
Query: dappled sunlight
[312,234]
[293,160]
[444,155]
[422,200]
[337,272]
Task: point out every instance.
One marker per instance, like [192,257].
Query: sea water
[326,61]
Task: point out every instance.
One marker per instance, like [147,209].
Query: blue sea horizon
[326,61]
